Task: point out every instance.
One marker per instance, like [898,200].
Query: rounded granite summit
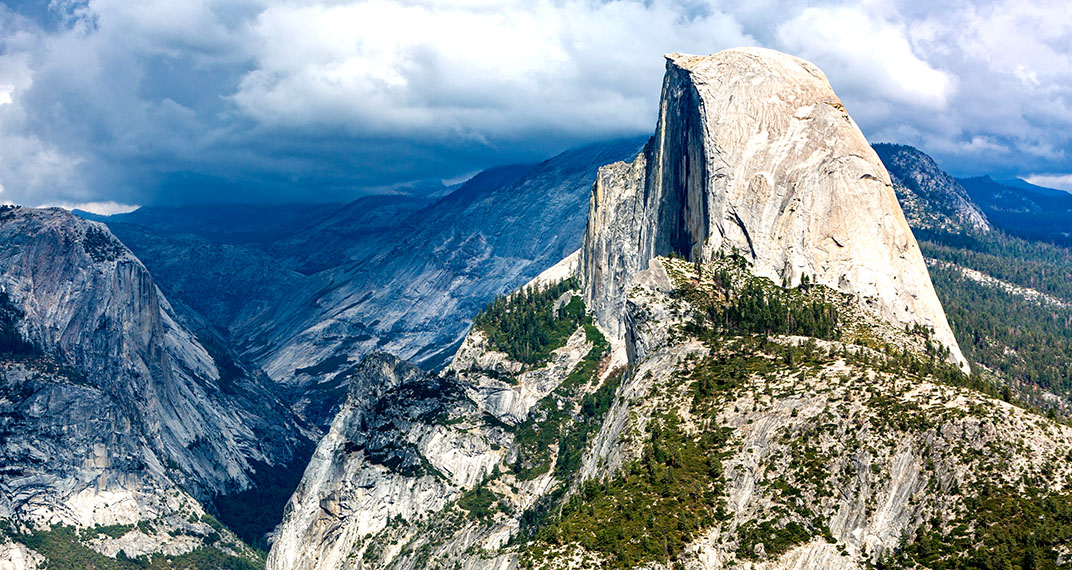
[754,152]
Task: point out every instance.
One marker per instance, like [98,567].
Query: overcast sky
[177,101]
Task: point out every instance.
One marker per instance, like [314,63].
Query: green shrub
[63,549]
[654,506]
[11,341]
[113,531]
[998,529]
[552,421]
[756,309]
[776,538]
[478,501]
[100,245]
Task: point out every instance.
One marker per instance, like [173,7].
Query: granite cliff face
[385,459]
[633,409]
[755,153]
[112,412]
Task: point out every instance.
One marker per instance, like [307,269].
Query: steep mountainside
[930,198]
[699,412]
[237,224]
[1009,302]
[112,413]
[1023,210]
[400,274]
[1009,299]
[1021,183]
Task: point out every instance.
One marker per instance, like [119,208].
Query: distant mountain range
[1024,184]
[930,198]
[1023,209]
[304,291]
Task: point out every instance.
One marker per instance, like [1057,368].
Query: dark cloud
[273,100]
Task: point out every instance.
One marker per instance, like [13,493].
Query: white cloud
[864,53]
[1059,181]
[119,99]
[101,208]
[37,168]
[481,70]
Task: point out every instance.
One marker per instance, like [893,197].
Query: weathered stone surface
[888,481]
[755,153]
[385,456]
[119,414]
[14,556]
[511,401]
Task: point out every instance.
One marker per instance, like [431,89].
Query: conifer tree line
[525,325]
[1026,339]
[754,310]
[11,342]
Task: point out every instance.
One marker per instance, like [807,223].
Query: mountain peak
[931,198]
[124,414]
[755,153]
[744,56]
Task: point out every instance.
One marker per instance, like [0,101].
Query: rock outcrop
[111,411]
[755,153]
[404,444]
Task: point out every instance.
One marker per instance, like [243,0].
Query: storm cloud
[121,103]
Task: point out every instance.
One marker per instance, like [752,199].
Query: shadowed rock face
[755,153]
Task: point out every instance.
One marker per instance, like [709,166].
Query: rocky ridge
[930,198]
[1023,209]
[829,460]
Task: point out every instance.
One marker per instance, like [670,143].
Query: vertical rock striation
[111,411]
[755,153]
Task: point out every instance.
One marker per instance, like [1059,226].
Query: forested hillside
[1009,302]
